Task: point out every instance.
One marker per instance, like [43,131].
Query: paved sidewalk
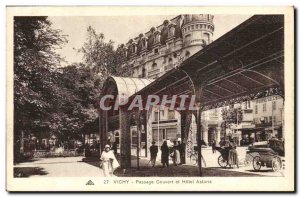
[57,167]
[84,167]
[211,169]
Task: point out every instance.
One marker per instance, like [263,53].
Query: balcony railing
[153,55]
[167,51]
[169,67]
[142,61]
[153,72]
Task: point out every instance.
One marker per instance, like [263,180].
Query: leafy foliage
[231,115]
[51,99]
[101,57]
[35,60]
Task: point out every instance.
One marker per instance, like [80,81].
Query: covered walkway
[246,63]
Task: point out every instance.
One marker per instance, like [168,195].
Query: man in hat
[153,153]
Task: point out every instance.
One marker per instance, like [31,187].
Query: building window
[187,39]
[274,105]
[256,109]
[154,66]
[270,118]
[155,51]
[249,104]
[264,107]
[162,113]
[206,37]
[164,134]
[274,119]
[143,72]
[171,31]
[156,116]
[171,114]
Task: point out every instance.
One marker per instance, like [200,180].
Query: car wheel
[256,163]
[276,164]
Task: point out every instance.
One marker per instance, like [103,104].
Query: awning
[245,63]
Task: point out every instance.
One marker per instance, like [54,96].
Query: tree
[35,61]
[78,88]
[231,115]
[101,57]
[98,54]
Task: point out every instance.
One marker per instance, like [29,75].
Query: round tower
[197,29]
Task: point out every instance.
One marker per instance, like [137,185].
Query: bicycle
[194,158]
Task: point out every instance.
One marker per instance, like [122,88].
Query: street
[79,167]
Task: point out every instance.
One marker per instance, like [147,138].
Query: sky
[122,28]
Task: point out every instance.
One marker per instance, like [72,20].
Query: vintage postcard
[150,99]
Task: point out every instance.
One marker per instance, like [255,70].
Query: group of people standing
[168,149]
[174,150]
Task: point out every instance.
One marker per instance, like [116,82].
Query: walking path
[57,167]
[82,167]
[212,168]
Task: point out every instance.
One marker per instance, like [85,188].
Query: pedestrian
[153,153]
[108,161]
[223,142]
[176,154]
[213,146]
[165,154]
[233,156]
[181,147]
[169,143]
[115,148]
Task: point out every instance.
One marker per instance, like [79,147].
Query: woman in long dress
[176,154]
[108,161]
[233,156]
[165,152]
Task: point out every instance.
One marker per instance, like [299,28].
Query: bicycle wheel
[222,162]
[194,159]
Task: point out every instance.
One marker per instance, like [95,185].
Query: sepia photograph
[148,99]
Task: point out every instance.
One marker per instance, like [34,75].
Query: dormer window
[156,37]
[171,27]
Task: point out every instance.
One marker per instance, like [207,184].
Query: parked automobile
[266,153]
